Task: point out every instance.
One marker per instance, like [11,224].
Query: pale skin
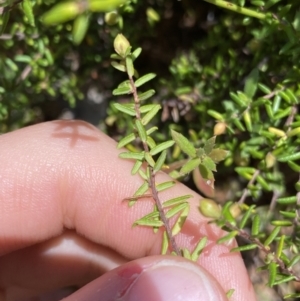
[63,223]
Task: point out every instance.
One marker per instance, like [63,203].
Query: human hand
[63,224]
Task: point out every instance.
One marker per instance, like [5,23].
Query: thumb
[159,278]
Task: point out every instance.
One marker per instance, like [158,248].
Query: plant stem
[283,267]
[238,9]
[151,180]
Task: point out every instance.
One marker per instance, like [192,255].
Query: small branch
[246,190]
[238,9]
[151,181]
[266,250]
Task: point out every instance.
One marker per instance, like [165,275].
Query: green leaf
[27,9]
[165,244]
[104,5]
[218,154]
[175,209]
[230,293]
[152,130]
[147,118]
[246,216]
[180,221]
[272,236]
[255,225]
[282,223]
[141,130]
[147,108]
[61,12]
[209,145]
[161,147]
[186,254]
[190,165]
[227,237]
[146,95]
[165,185]
[4,18]
[287,200]
[289,157]
[129,66]
[80,28]
[184,144]
[142,80]
[205,172]
[209,163]
[248,120]
[280,246]
[135,54]
[294,260]
[272,273]
[244,248]
[122,91]
[142,189]
[124,109]
[137,165]
[264,88]
[150,142]
[148,223]
[119,66]
[251,83]
[149,159]
[143,175]
[263,183]
[116,57]
[130,155]
[198,249]
[176,200]
[160,161]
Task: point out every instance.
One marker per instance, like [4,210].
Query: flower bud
[111,18]
[219,128]
[235,210]
[121,45]
[270,160]
[210,208]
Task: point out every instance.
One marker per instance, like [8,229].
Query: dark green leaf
[209,145]
[206,173]
[251,83]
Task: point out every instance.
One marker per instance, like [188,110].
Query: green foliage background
[214,66]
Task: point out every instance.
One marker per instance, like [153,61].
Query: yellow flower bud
[121,45]
[270,160]
[219,128]
[111,18]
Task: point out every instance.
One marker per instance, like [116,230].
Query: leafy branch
[204,158]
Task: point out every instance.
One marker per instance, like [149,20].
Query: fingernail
[172,280]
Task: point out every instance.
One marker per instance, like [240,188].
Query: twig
[151,180]
[246,190]
[265,249]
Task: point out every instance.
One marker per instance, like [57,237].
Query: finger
[68,175]
[68,261]
[159,278]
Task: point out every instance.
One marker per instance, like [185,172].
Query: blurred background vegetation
[234,75]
